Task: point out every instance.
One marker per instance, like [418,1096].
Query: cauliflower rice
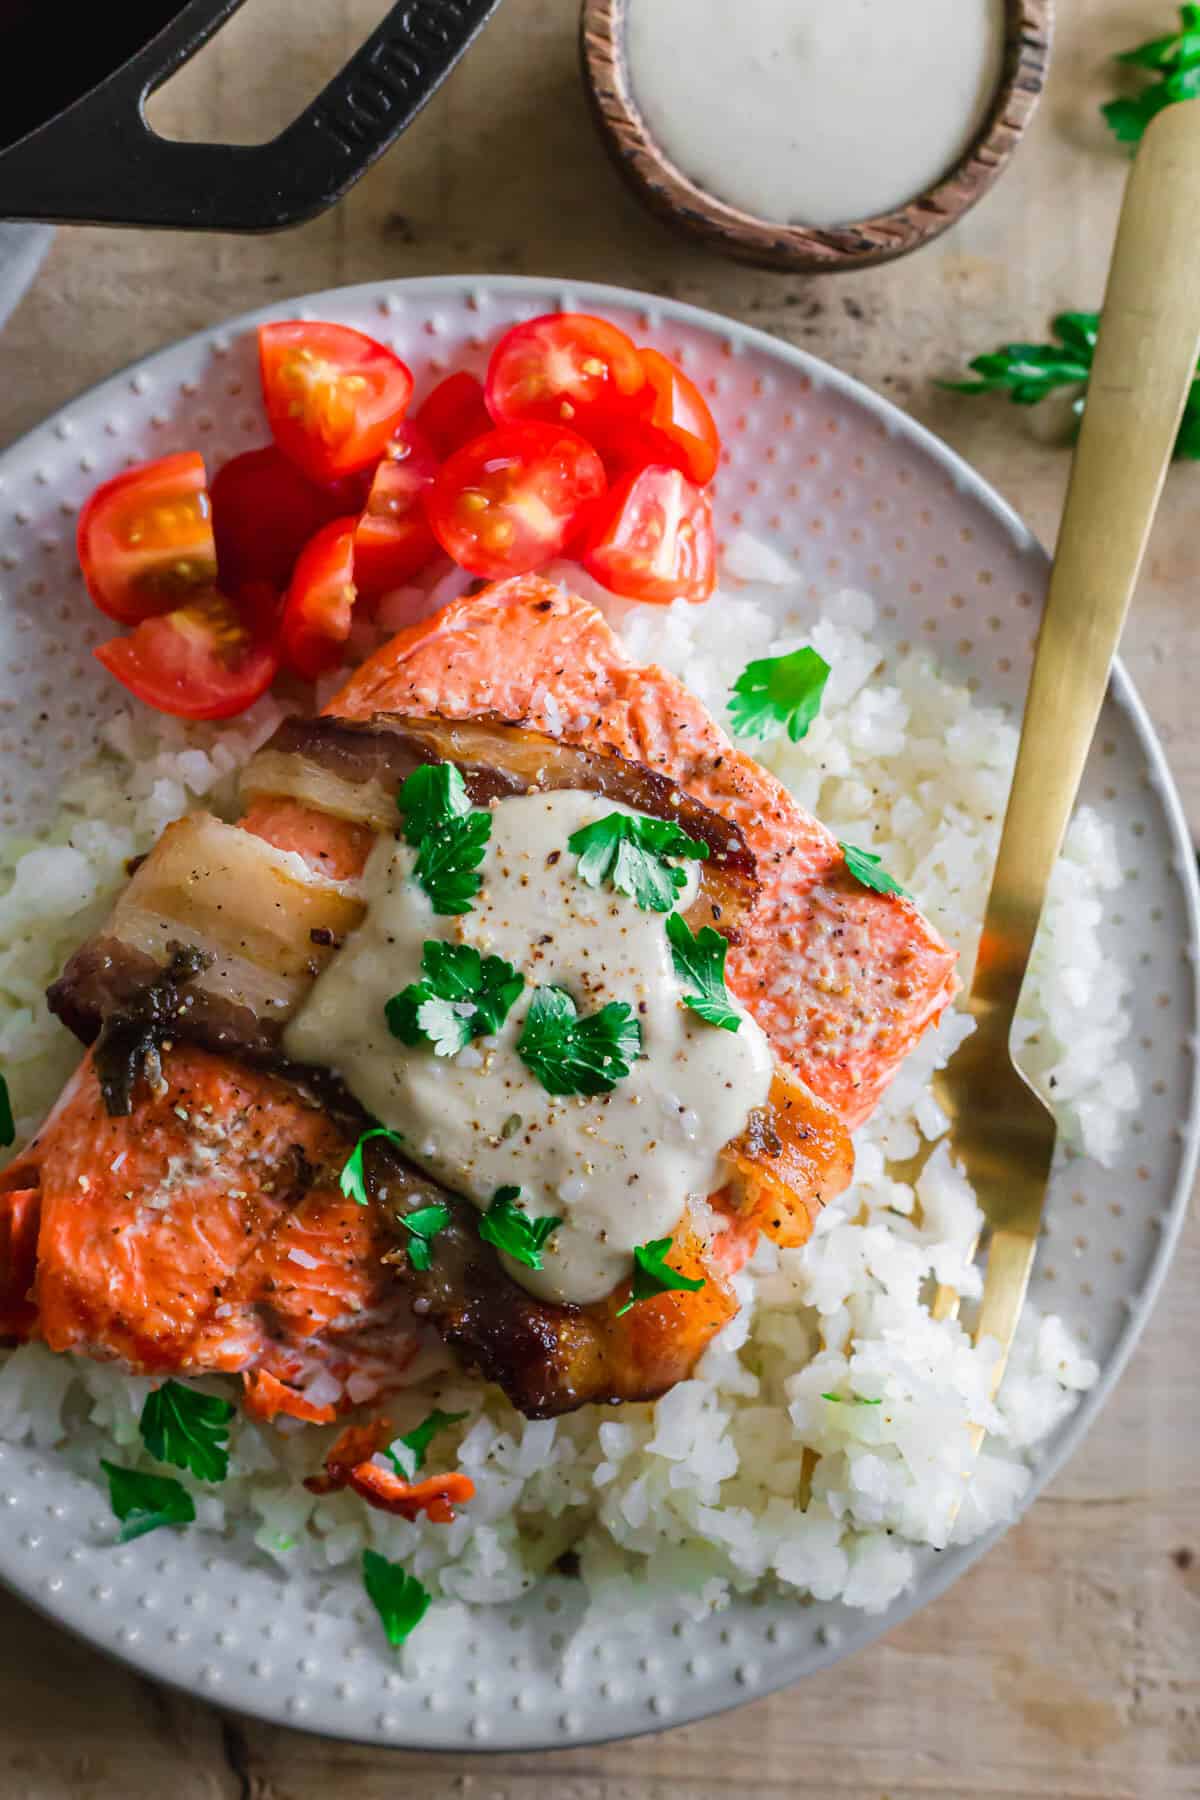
[823,1435]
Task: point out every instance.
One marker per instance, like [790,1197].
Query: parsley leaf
[509,1228]
[573,1055]
[432,794]
[448,860]
[408,1452]
[353,1181]
[182,1426]
[1029,373]
[423,1225]
[463,996]
[700,959]
[853,1400]
[1175,61]
[652,1275]
[777,693]
[8,1129]
[144,1502]
[868,869]
[399,1598]
[630,852]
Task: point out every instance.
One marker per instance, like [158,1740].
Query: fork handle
[1143,368]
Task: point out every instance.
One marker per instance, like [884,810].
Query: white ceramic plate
[860,496]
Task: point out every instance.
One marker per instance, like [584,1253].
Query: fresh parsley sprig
[8,1128]
[509,1227]
[463,995]
[449,836]
[570,1054]
[653,1275]
[422,1226]
[183,1426]
[1029,373]
[699,958]
[144,1502]
[779,693]
[408,1453]
[868,869]
[398,1597]
[630,852]
[353,1179]
[1174,61]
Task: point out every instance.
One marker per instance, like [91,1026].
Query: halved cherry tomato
[198,662]
[564,368]
[394,540]
[320,602]
[670,423]
[453,413]
[264,511]
[510,500]
[145,539]
[334,396]
[654,538]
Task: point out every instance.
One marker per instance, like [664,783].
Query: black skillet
[75,146]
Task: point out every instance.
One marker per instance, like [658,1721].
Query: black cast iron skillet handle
[99,162]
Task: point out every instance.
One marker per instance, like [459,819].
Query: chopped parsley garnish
[779,693]
[143,1502]
[630,852]
[868,869]
[422,1227]
[574,1055]
[450,838]
[353,1181]
[700,959]
[652,1275]
[506,1225]
[182,1426]
[8,1129]
[408,1452]
[1174,61]
[433,794]
[463,996]
[399,1598]
[850,1400]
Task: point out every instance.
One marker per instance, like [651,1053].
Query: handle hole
[259,71]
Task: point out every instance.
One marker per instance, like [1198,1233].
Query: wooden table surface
[1068,1663]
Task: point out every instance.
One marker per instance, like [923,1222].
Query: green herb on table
[1030,373]
[779,693]
[509,1228]
[652,1275]
[1174,62]
[573,1055]
[183,1426]
[868,869]
[8,1129]
[408,1452]
[353,1180]
[143,1502]
[631,852]
[422,1226]
[450,838]
[399,1598]
[699,958]
[463,995]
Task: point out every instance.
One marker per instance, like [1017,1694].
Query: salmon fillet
[844,981]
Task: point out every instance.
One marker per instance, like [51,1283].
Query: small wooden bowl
[664,186]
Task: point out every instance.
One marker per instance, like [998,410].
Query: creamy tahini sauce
[618,1168]
[814,112]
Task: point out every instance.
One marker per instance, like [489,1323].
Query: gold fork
[1001,1131]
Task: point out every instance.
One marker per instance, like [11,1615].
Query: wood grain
[1066,1666]
[796,249]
